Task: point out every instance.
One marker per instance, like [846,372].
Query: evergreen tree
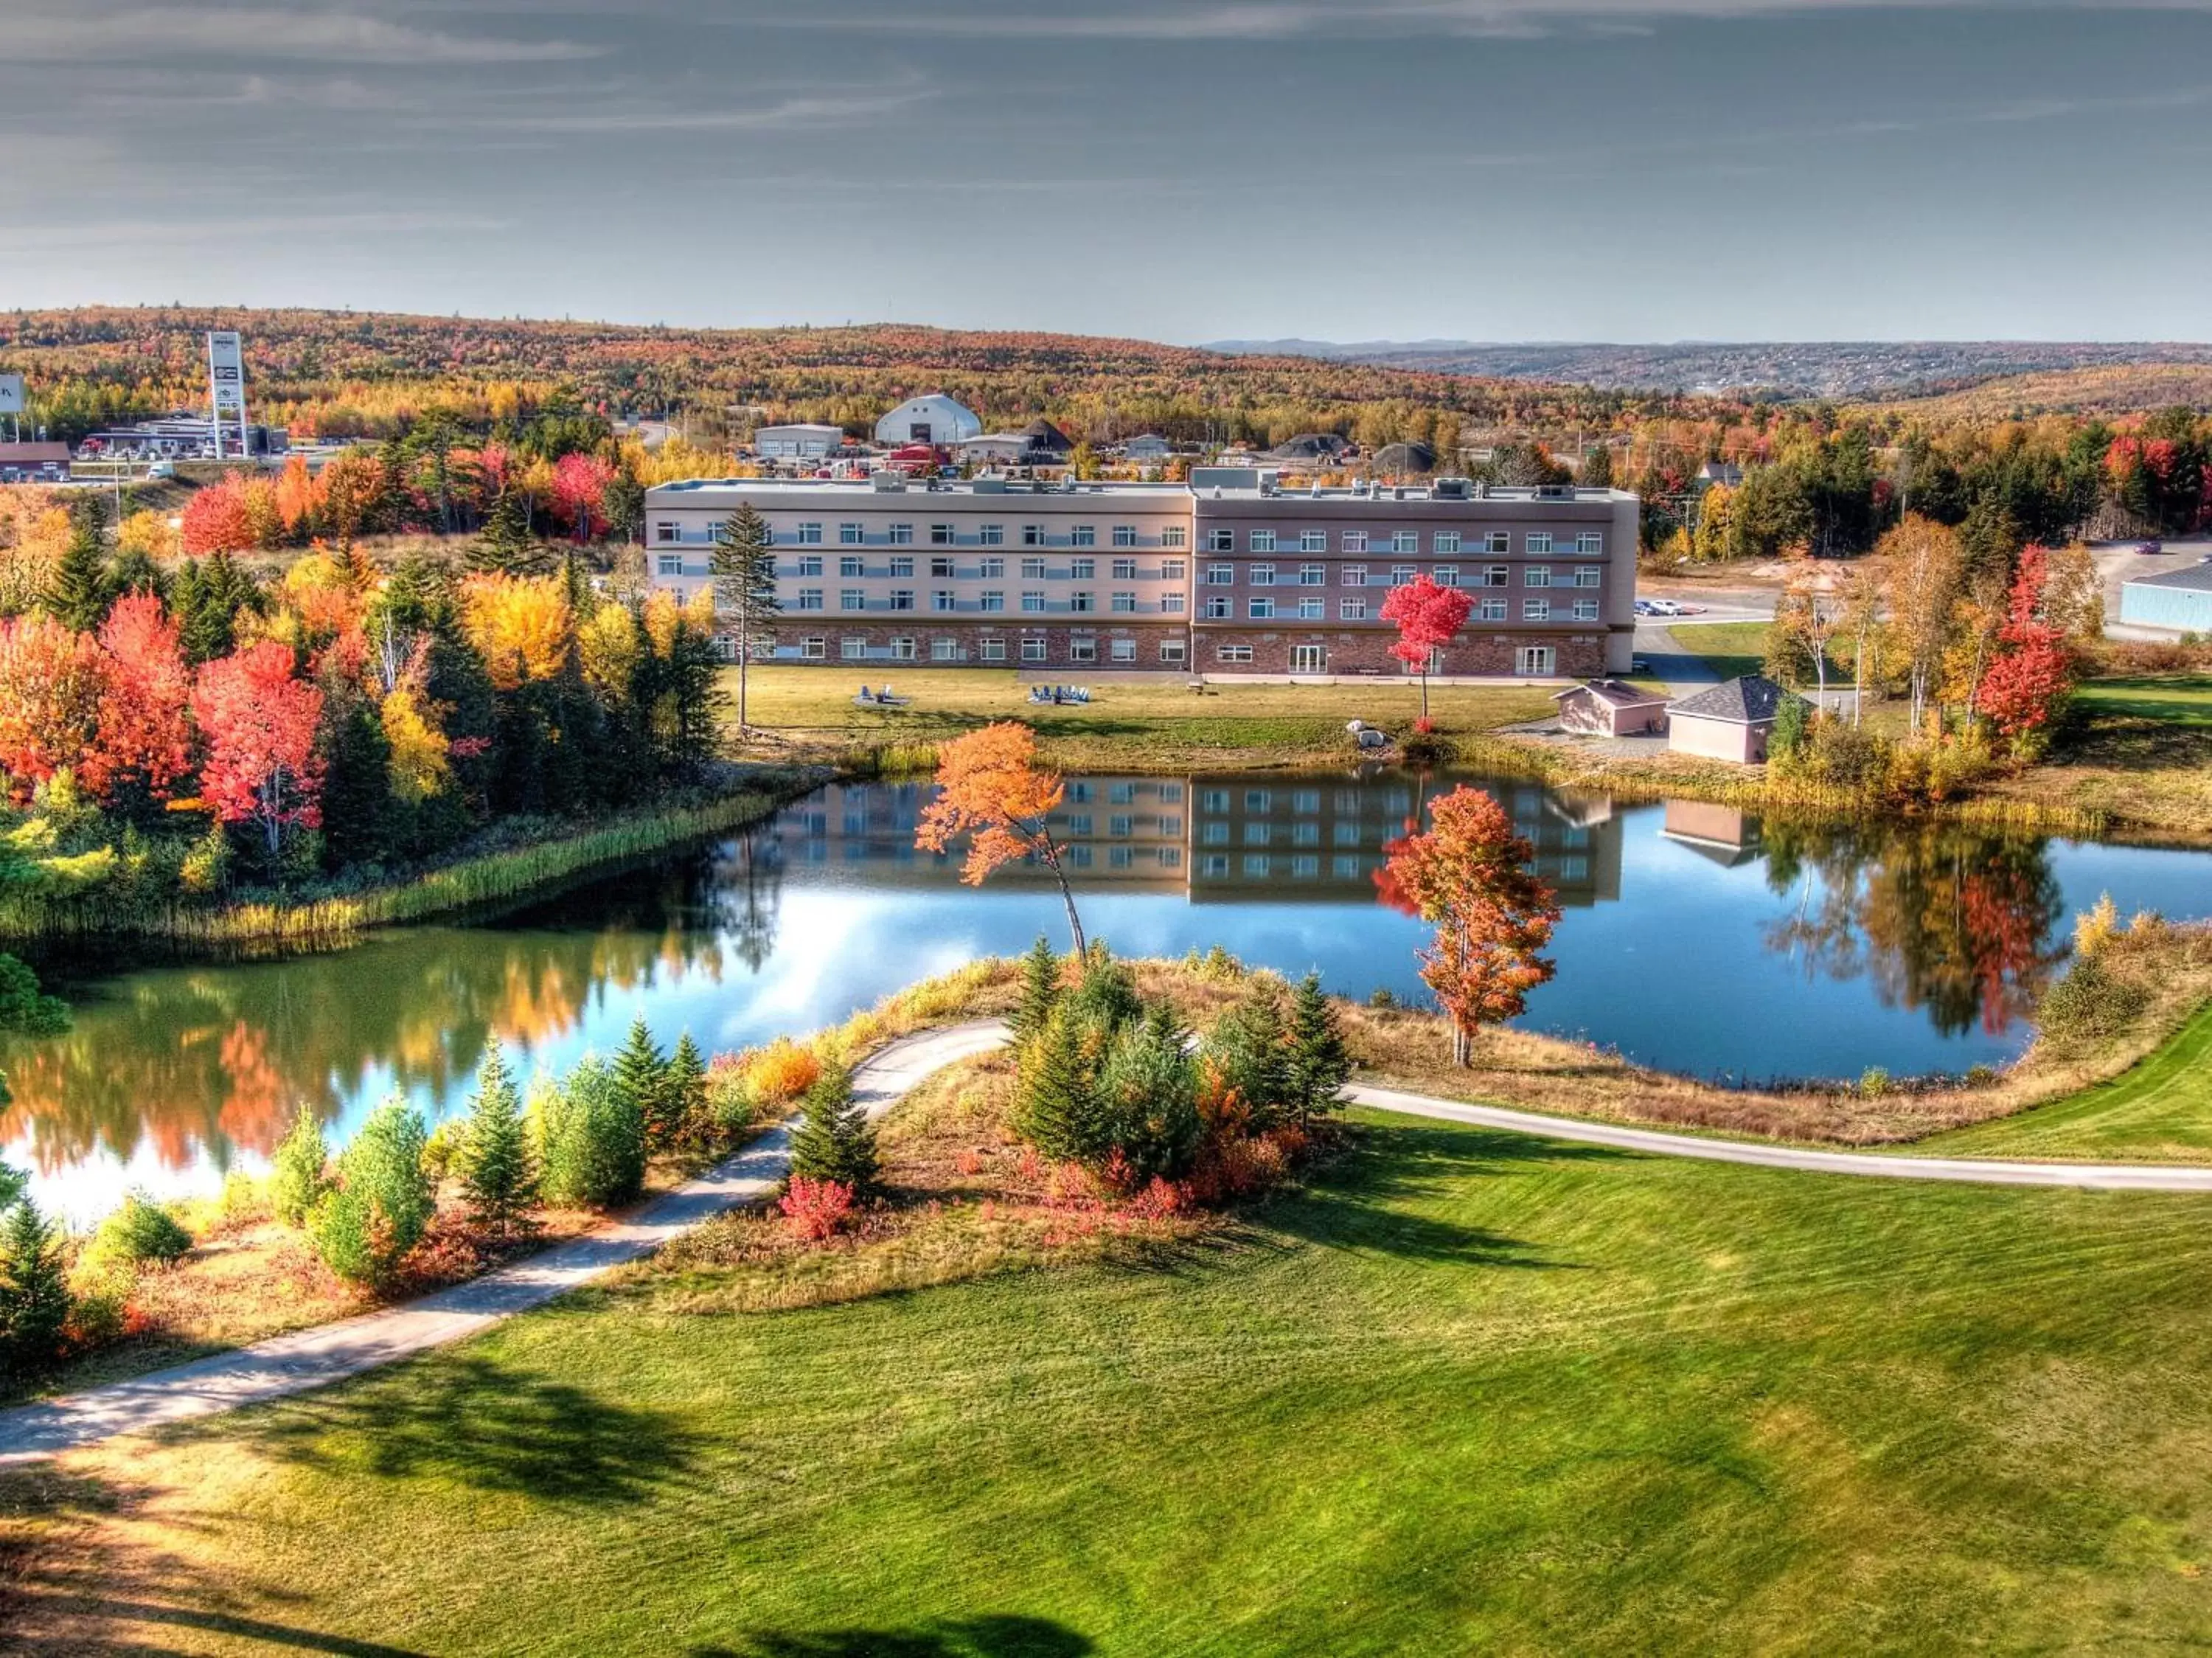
[577,581]
[641,1074]
[34,1297]
[361,818]
[744,586]
[1052,1104]
[834,1140]
[419,594]
[365,1225]
[496,1170]
[1147,1099]
[623,502]
[686,1092]
[135,572]
[1319,1062]
[296,1179]
[1248,1047]
[504,546]
[79,592]
[591,1140]
[1040,991]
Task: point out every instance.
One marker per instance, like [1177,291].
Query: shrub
[382,1204]
[1105,999]
[1382,998]
[591,1140]
[779,1074]
[492,1151]
[439,1151]
[34,1297]
[814,1209]
[729,1097]
[835,1141]
[141,1231]
[1873,1082]
[297,1180]
[2095,928]
[2090,1003]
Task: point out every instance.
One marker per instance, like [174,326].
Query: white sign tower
[226,381]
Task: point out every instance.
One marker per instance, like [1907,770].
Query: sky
[1631,170]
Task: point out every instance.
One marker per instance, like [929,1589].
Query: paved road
[310,1358]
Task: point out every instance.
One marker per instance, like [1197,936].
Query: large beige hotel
[1231,573]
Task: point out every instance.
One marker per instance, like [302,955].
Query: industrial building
[2180,599]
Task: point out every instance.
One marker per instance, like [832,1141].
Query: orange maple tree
[1469,876]
[991,788]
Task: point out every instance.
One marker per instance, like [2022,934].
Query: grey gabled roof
[1753,699]
[1614,692]
[2197,578]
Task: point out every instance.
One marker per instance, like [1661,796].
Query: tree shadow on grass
[470,1420]
[988,1636]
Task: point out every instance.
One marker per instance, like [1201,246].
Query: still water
[1695,938]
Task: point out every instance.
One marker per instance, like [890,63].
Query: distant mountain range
[1846,369]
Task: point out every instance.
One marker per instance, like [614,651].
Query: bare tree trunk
[1462,1046]
[1067,897]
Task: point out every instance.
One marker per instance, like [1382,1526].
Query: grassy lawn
[2139,751]
[1729,647]
[1150,725]
[2159,1112]
[1469,1391]
[2170,701]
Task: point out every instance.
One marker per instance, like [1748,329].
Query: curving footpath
[310,1358]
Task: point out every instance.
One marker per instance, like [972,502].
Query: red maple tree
[2026,688]
[145,723]
[1428,616]
[216,519]
[259,723]
[1469,877]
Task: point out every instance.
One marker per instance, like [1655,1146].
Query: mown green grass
[2161,1111]
[2172,701]
[1472,1391]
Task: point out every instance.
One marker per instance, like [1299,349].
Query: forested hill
[355,373]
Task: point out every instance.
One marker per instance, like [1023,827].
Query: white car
[1663,607]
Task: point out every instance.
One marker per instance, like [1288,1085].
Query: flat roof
[863,488]
[2193,578]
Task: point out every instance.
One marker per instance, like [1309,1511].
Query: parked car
[1664,607]
[1644,607]
[2151,549]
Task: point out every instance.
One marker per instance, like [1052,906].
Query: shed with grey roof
[1611,708]
[1731,720]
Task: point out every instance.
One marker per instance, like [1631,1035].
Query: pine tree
[834,1140]
[34,1298]
[504,546]
[641,1074]
[1040,991]
[497,1172]
[687,1092]
[1053,1108]
[743,568]
[1319,1060]
[79,592]
[1247,1046]
[297,1178]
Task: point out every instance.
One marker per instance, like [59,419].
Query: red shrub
[1162,1200]
[815,1210]
[1425,727]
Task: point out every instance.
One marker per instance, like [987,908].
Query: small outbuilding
[2180,599]
[806,443]
[934,418]
[1610,708]
[1732,721]
[34,463]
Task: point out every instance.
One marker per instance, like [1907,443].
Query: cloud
[797,112]
[122,233]
[89,34]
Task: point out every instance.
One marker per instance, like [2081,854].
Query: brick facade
[925,642]
[1474,653]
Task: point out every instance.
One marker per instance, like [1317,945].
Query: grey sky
[1492,169]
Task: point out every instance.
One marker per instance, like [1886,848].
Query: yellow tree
[1925,568]
[522,625]
[991,790]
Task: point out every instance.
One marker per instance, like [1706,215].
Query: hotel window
[810,565]
[1536,575]
[1172,536]
[1446,541]
[1497,575]
[1585,610]
[902,567]
[1170,604]
[852,599]
[1217,608]
[1083,569]
[942,599]
[1353,576]
[941,535]
[1125,570]
[849,535]
[809,599]
[1215,834]
[1221,541]
[1305,834]
[1258,799]
[1261,575]
[1352,610]
[1355,540]
[1082,602]
[1214,800]
[1258,834]
[1125,535]
[1121,794]
[1589,542]
[1033,569]
[1313,541]
[1447,575]
[992,650]
[1494,610]
[1346,830]
[992,569]
[1401,574]
[1588,575]
[1221,575]
[993,601]
[1262,610]
[810,535]
[1171,570]
[1171,650]
[991,535]
[1214,863]
[1083,535]
[1032,601]
[940,567]
[667,532]
[1263,541]
[1497,541]
[944,651]
[1538,541]
[852,650]
[1405,541]
[1235,653]
[1125,603]
[1032,535]
[1536,610]
[902,598]
[671,564]
[1124,650]
[1032,650]
[1313,610]
[1082,651]
[850,567]
[902,649]
[813,649]
[1344,866]
[1313,575]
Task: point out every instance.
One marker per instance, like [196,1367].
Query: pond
[1695,938]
